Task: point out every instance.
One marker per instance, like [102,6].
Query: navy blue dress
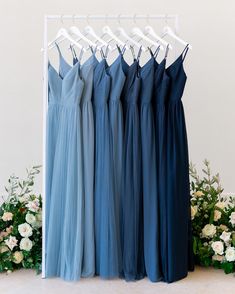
[132,206]
[161,85]
[179,254]
[149,175]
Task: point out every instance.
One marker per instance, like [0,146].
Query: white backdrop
[209,97]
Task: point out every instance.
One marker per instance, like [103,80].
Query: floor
[200,281]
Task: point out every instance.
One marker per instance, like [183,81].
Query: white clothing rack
[88,17]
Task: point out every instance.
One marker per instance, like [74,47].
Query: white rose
[232,218]
[3,249]
[33,205]
[193,211]
[26,244]
[38,222]
[225,237]
[218,247]
[7,216]
[218,257]
[224,228]
[217,215]
[18,257]
[209,230]
[220,205]
[198,194]
[30,218]
[11,242]
[230,254]
[25,230]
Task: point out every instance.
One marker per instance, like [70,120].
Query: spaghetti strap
[155,54]
[123,49]
[139,53]
[185,52]
[119,49]
[167,50]
[132,52]
[58,48]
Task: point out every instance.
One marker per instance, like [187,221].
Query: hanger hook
[61,19]
[147,18]
[87,19]
[166,19]
[73,17]
[119,18]
[134,18]
[106,19]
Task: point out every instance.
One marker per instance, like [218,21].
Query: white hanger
[65,35]
[89,31]
[107,31]
[122,32]
[75,31]
[168,31]
[149,30]
[137,32]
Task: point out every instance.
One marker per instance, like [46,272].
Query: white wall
[209,96]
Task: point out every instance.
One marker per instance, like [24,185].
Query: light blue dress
[87,72]
[117,71]
[64,248]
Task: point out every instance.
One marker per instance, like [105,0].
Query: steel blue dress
[87,72]
[179,247]
[132,206]
[117,71]
[65,236]
[107,264]
[149,173]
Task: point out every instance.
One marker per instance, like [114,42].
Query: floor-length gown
[132,206]
[117,70]
[87,73]
[161,85]
[178,227]
[149,173]
[53,118]
[105,227]
[64,244]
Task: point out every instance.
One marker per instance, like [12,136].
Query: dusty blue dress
[64,246]
[117,71]
[132,202]
[149,173]
[87,73]
[106,248]
[178,228]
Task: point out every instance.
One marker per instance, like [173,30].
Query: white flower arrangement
[20,223]
[213,221]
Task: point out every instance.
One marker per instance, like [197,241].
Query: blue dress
[161,85]
[53,118]
[132,214]
[117,71]
[178,229]
[65,235]
[107,265]
[149,173]
[87,72]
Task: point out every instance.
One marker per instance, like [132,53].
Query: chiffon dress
[106,248]
[87,73]
[149,173]
[178,229]
[132,214]
[161,85]
[64,248]
[117,71]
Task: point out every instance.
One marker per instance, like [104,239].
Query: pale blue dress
[64,248]
[87,73]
